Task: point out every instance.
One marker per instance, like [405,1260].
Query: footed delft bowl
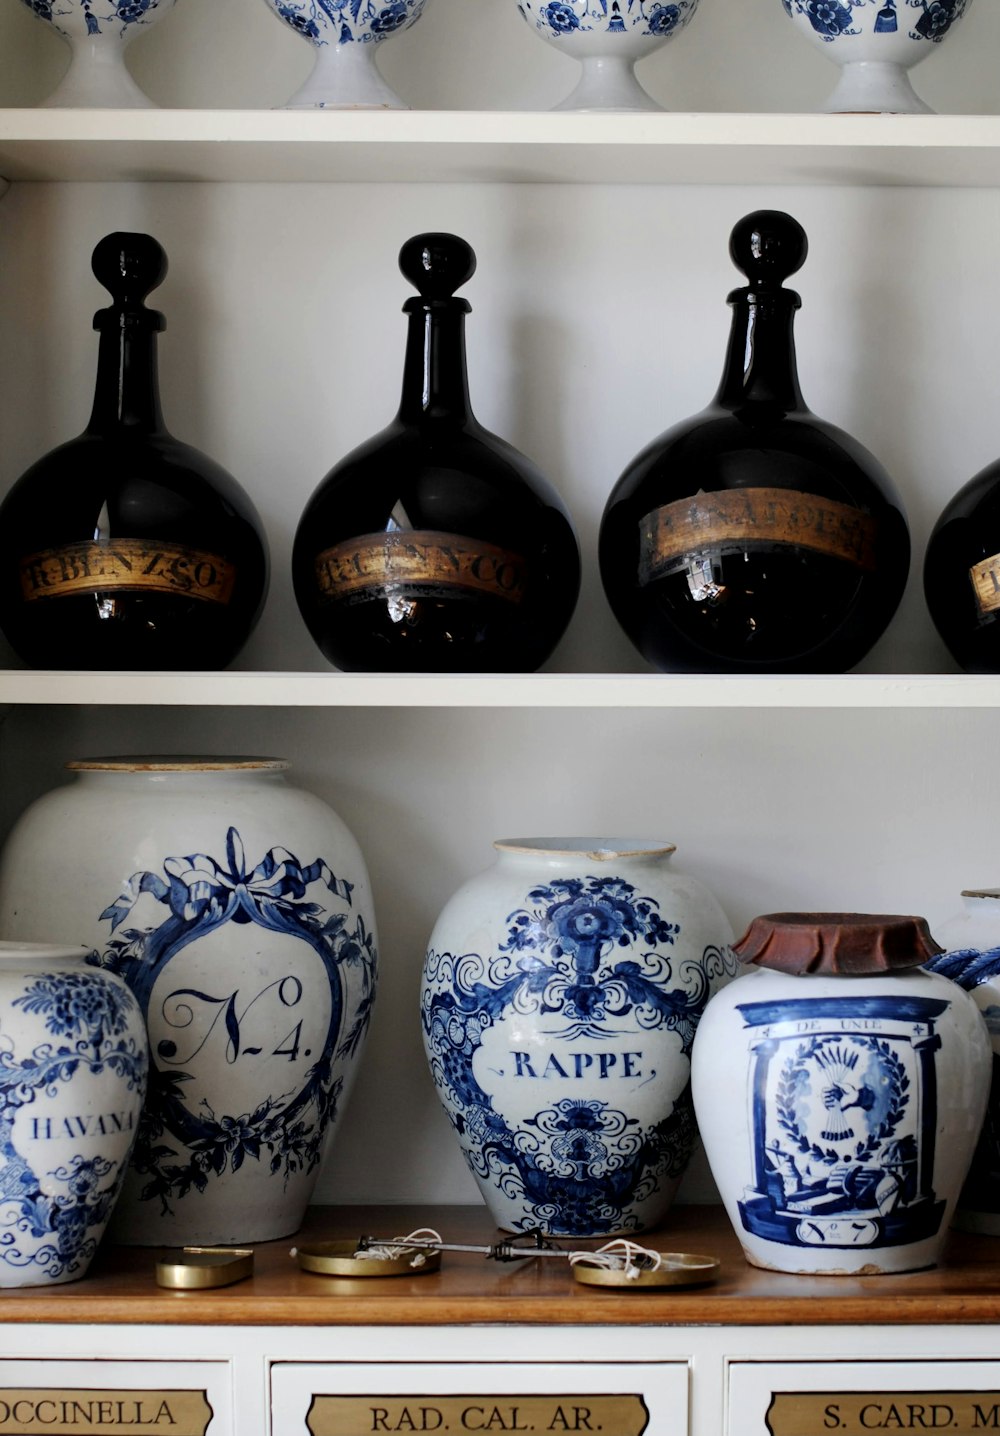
[345,34]
[97,32]
[876,42]
[607,37]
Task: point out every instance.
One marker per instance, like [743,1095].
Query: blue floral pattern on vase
[644,17]
[124,17]
[53,1210]
[844,1120]
[346,22]
[832,18]
[583,992]
[283,1035]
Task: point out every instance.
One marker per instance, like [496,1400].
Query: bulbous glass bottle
[755,537]
[435,546]
[125,548]
[962,573]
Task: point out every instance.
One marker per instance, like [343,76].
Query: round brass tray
[676,1269]
[344,1259]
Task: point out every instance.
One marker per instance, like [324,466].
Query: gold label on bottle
[622,1415]
[729,522]
[418,564]
[25,1411]
[857,1413]
[126,565]
[985,579]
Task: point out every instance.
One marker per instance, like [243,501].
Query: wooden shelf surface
[468,1289]
[499,147]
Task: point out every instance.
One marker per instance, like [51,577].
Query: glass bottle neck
[760,362]
[126,395]
[435,377]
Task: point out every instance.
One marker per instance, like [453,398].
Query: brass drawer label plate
[858,1413]
[614,1414]
[25,1410]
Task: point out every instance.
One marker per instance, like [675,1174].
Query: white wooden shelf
[493,146]
[377,690]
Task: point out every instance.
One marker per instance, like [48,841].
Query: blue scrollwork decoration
[580,1164]
[183,1143]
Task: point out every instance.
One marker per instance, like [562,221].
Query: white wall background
[599,319]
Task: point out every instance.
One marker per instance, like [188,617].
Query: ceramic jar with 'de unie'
[971,941]
[73,1064]
[237,908]
[840,1088]
[561,993]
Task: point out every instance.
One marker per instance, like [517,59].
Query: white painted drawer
[54,1397]
[855,1398]
[479,1398]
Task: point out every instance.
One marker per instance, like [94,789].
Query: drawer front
[856,1398]
[115,1398]
[479,1398]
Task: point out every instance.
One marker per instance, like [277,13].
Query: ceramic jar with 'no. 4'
[840,1089]
[238,910]
[561,993]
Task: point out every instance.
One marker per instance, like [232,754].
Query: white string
[427,1235]
[621,1255]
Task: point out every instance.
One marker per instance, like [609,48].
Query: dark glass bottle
[754,537]
[962,574]
[436,546]
[125,548]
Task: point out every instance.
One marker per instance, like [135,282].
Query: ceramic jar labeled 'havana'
[840,1089]
[73,1064]
[238,910]
[971,958]
[561,993]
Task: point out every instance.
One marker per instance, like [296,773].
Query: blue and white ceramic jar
[607,37]
[344,35]
[97,32]
[238,910]
[876,42]
[561,993]
[840,1089]
[971,958]
[73,1067]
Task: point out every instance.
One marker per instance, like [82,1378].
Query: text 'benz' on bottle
[435,546]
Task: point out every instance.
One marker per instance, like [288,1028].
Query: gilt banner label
[614,1415]
[858,1413]
[25,1411]
[728,522]
[418,564]
[985,579]
[134,565]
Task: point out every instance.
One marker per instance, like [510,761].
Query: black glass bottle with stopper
[435,546]
[755,537]
[962,573]
[125,548]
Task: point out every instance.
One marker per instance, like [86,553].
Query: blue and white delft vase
[73,1065]
[876,42]
[238,910]
[971,958]
[840,1089]
[344,35]
[560,998]
[98,32]
[607,37]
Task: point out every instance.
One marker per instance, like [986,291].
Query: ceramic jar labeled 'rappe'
[971,958]
[840,1089]
[73,1064]
[561,993]
[237,908]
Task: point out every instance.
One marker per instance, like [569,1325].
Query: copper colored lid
[836,942]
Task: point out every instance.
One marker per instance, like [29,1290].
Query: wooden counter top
[471,1290]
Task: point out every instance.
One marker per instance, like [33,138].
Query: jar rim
[13,950]
[598,849]
[165,763]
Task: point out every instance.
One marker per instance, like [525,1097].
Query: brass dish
[344,1259]
[200,1268]
[676,1269]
